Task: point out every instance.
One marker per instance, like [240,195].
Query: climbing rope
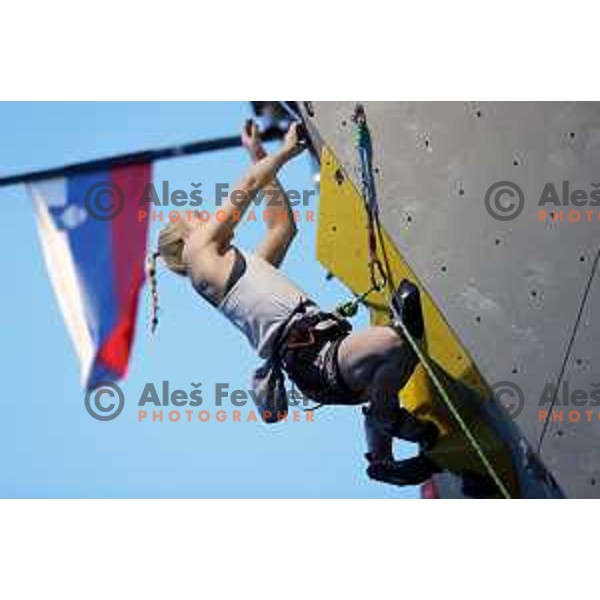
[570,344]
[377,273]
[455,413]
[375,235]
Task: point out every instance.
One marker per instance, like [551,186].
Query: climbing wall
[517,290]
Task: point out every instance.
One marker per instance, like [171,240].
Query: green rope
[465,429]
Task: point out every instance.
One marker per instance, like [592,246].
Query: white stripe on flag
[61,269]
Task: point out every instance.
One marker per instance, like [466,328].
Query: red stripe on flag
[129,237]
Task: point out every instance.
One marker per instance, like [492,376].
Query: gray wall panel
[510,290]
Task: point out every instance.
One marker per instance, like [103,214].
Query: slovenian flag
[94,247]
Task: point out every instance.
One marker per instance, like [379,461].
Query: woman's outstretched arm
[258,176]
[278,215]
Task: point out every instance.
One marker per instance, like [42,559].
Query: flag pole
[142,157]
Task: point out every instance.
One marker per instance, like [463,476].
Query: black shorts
[310,358]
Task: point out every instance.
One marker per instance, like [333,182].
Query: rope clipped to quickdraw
[379,277]
[349,309]
[377,273]
[377,270]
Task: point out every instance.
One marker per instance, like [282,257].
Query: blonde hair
[170,251]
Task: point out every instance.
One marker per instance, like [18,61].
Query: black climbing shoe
[420,431]
[401,424]
[406,307]
[411,471]
[429,437]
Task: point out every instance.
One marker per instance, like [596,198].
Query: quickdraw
[349,309]
[378,275]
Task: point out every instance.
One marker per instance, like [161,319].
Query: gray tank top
[260,301]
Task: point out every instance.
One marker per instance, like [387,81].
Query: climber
[316,349]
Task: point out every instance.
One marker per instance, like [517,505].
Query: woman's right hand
[293,142]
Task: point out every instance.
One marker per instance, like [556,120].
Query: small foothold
[478,319]
[498,241]
[516,162]
[478,114]
[534,293]
[572,135]
[339,177]
[444,269]
[461,192]
[581,258]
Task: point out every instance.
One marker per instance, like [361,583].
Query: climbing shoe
[411,471]
[420,431]
[404,425]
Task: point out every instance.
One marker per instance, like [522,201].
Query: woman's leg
[377,362]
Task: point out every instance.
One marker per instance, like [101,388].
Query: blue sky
[50,446]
